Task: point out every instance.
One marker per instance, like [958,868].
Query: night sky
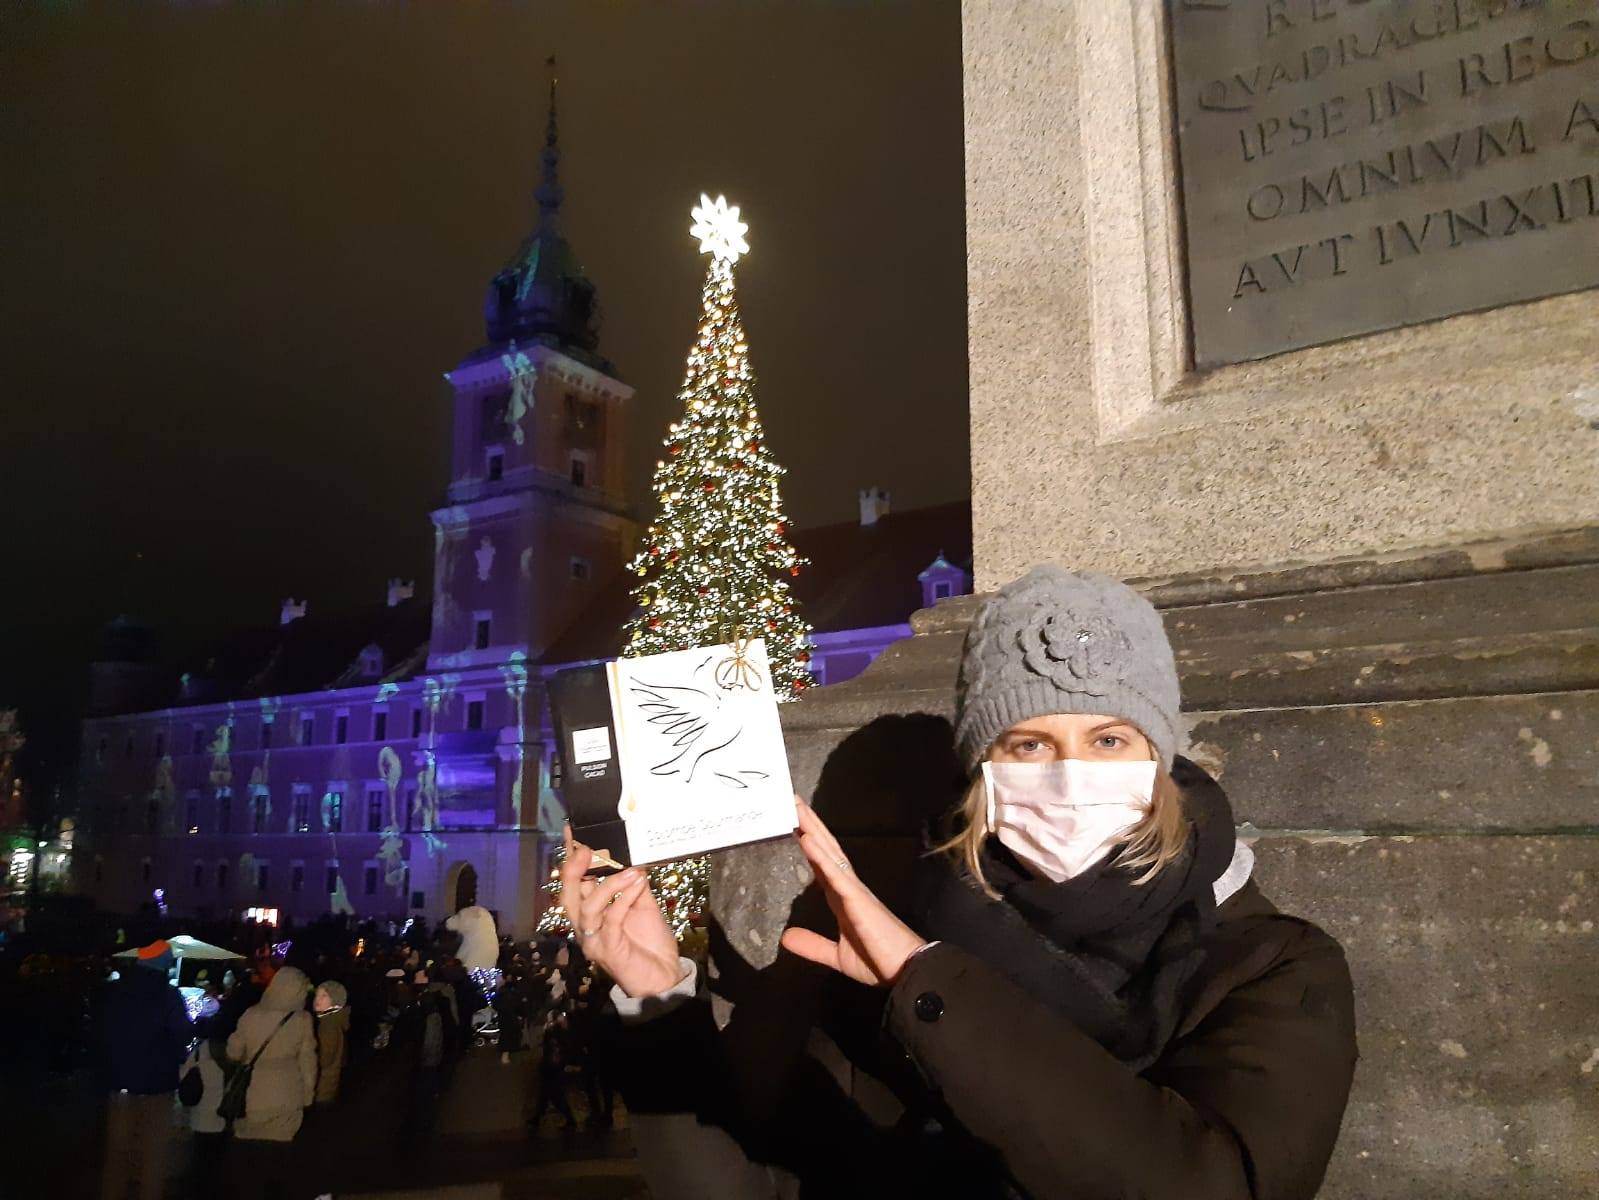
[243,240]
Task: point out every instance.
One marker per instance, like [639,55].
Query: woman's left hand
[873,944]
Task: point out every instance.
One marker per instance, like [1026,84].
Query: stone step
[1508,617]
[1528,763]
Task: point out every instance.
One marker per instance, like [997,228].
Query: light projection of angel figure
[524,375]
[514,669]
[698,729]
[390,768]
[220,748]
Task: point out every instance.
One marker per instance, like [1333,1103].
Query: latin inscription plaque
[1355,165]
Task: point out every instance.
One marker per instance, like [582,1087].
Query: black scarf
[1110,957]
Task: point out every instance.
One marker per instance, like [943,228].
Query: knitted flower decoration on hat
[1058,641]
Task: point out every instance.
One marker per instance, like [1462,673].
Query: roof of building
[312,653]
[859,576]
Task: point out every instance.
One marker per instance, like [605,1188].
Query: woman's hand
[619,924]
[873,944]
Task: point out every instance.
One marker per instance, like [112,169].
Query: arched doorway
[461,886]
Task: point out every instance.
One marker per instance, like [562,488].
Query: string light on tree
[716,564]
[680,888]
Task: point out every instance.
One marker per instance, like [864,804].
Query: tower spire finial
[549,194]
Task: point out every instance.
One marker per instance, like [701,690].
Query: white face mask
[1062,817]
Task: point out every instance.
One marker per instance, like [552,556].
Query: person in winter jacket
[1084,993]
[209,1129]
[434,1019]
[282,1085]
[555,1054]
[332,1027]
[142,1034]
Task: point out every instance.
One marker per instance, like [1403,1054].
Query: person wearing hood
[1084,992]
[282,1084]
[331,1007]
[142,1035]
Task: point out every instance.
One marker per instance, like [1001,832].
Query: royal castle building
[396,761]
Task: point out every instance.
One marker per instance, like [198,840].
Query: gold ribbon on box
[736,670]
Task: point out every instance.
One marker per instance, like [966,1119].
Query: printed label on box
[591,745]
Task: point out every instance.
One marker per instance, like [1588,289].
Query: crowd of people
[345,1037]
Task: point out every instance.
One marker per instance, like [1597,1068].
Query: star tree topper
[718,228]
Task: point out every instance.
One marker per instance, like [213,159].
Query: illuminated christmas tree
[716,565]
[680,888]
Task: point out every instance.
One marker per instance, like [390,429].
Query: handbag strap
[269,1037]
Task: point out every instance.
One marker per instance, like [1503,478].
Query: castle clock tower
[536,521]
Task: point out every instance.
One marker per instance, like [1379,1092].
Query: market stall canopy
[184,946]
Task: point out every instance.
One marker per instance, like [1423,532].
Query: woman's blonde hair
[1152,845]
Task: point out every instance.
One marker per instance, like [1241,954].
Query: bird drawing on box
[697,727]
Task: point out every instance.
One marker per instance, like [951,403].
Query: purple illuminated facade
[395,762]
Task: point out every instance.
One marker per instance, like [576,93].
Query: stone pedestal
[1378,559]
[1411,742]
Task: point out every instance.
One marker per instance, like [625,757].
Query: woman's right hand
[619,924]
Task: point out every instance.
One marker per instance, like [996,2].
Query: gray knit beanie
[1059,641]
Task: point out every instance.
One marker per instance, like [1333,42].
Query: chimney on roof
[874,504]
[293,610]
[400,590]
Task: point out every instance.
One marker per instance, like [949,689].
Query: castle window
[260,805]
[374,810]
[199,739]
[263,876]
[580,568]
[371,879]
[334,803]
[332,878]
[416,721]
[302,810]
[480,633]
[580,470]
[224,810]
[152,817]
[380,725]
[266,735]
[144,871]
[371,661]
[496,466]
[341,728]
[191,807]
[222,875]
[160,745]
[199,875]
[297,877]
[941,589]
[491,417]
[307,730]
[474,714]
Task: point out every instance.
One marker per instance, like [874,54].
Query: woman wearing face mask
[1090,997]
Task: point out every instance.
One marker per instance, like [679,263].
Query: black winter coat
[957,1083]
[142,1033]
